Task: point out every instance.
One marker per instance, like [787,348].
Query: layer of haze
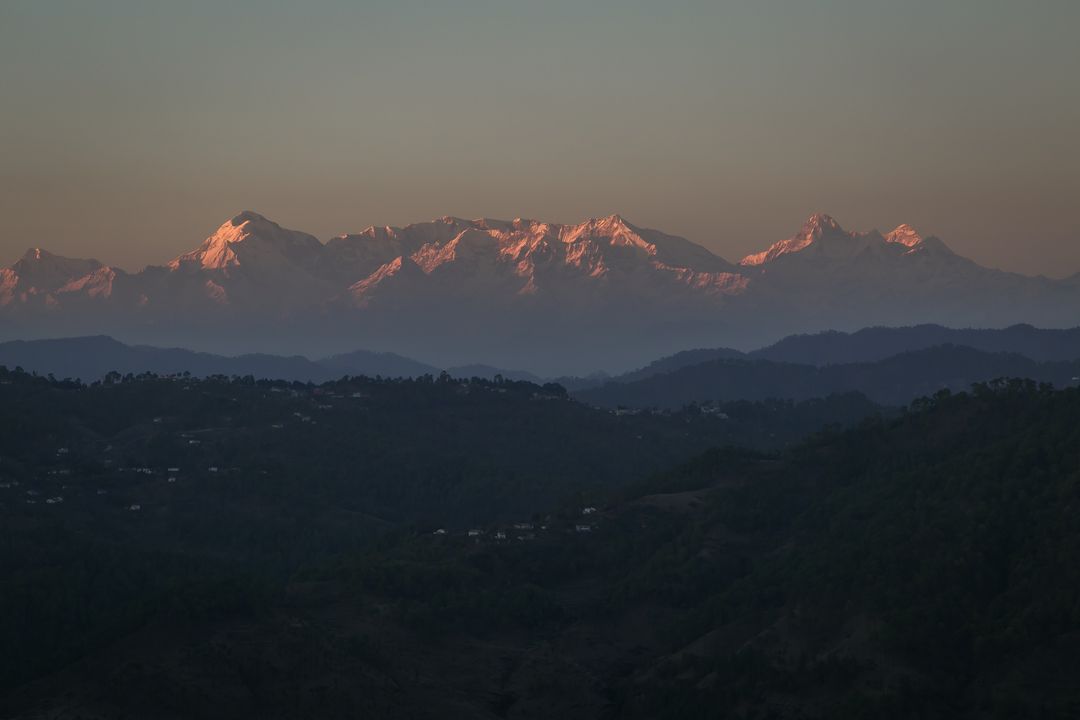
[130,130]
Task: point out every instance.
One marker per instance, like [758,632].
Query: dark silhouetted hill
[877,343]
[896,380]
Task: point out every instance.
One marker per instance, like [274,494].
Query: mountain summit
[254,238]
[821,235]
[904,235]
[813,230]
[545,296]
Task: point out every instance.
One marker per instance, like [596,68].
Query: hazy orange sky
[130,130]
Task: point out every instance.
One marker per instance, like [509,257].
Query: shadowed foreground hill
[146,504]
[916,567]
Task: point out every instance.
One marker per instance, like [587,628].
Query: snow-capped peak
[40,274]
[44,269]
[904,235]
[40,255]
[820,223]
[615,219]
[612,229]
[250,238]
[250,216]
[828,240]
[817,226]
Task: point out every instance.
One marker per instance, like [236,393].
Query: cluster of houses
[520,531]
[34,496]
[709,410]
[171,474]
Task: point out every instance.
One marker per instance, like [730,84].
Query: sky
[130,130]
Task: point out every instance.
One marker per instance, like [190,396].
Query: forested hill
[922,566]
[143,498]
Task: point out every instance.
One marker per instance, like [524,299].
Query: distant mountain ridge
[550,298]
[877,343]
[89,358]
[895,380]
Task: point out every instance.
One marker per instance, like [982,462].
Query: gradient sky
[130,130]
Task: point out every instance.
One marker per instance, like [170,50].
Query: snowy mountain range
[548,297]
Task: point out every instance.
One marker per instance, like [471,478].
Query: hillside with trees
[911,565]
